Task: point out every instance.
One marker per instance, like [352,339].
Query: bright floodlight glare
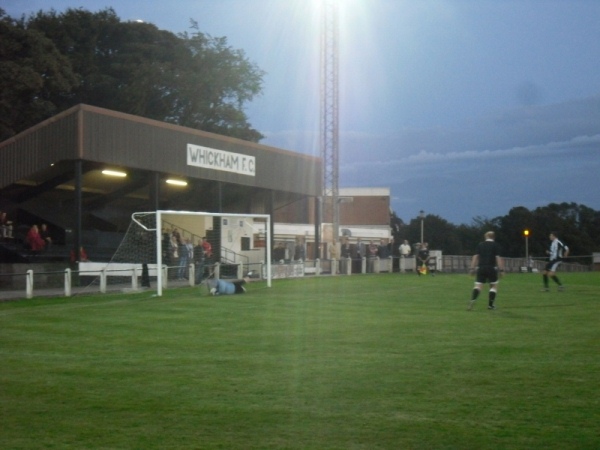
[177,182]
[114,173]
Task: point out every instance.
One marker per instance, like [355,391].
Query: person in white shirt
[404,249]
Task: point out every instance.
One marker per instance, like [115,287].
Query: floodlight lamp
[176,182]
[526,233]
[114,173]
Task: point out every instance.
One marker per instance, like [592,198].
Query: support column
[154,194]
[318,219]
[271,212]
[78,238]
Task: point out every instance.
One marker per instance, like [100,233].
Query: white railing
[104,272]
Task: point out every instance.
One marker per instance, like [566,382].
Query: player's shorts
[487,274]
[239,288]
[551,266]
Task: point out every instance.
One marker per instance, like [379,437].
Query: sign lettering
[210,158]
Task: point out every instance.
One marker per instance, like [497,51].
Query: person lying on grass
[223,287]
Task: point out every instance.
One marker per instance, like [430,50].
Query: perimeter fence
[19,281]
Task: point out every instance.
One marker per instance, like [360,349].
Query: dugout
[54,173]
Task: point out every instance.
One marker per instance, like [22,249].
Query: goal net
[186,248]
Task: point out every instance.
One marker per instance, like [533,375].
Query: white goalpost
[233,245]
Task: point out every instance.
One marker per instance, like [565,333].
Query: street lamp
[422,217]
[526,234]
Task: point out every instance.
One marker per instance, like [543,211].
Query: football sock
[491,297]
[545,281]
[475,294]
[555,279]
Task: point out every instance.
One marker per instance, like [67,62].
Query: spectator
[83,257]
[207,248]
[279,252]
[45,235]
[176,235]
[405,249]
[198,262]
[6,226]
[186,254]
[334,255]
[299,251]
[166,245]
[357,258]
[345,252]
[173,256]
[33,239]
[384,249]
[372,250]
[333,251]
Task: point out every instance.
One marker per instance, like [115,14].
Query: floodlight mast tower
[329,135]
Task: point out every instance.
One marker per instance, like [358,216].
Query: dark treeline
[577,226]
[52,61]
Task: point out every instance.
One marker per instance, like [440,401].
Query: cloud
[529,156]
[528,93]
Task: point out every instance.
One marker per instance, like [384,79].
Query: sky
[462,108]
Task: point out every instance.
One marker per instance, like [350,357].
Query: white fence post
[317,267]
[192,274]
[134,278]
[103,281]
[165,276]
[67,282]
[29,284]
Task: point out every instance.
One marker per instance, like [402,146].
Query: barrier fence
[105,277]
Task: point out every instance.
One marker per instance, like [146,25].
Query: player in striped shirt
[556,253]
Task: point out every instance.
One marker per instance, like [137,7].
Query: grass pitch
[363,362]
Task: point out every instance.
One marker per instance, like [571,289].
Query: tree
[192,80]
[218,82]
[438,233]
[577,225]
[510,234]
[32,71]
[398,228]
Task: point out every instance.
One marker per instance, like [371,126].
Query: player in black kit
[487,263]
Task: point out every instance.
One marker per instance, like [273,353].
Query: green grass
[363,362]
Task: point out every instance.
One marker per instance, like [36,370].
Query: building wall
[132,141]
[366,211]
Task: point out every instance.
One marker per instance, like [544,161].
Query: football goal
[178,248]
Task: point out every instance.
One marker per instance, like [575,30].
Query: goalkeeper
[223,287]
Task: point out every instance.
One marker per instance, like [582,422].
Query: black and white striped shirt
[557,250]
